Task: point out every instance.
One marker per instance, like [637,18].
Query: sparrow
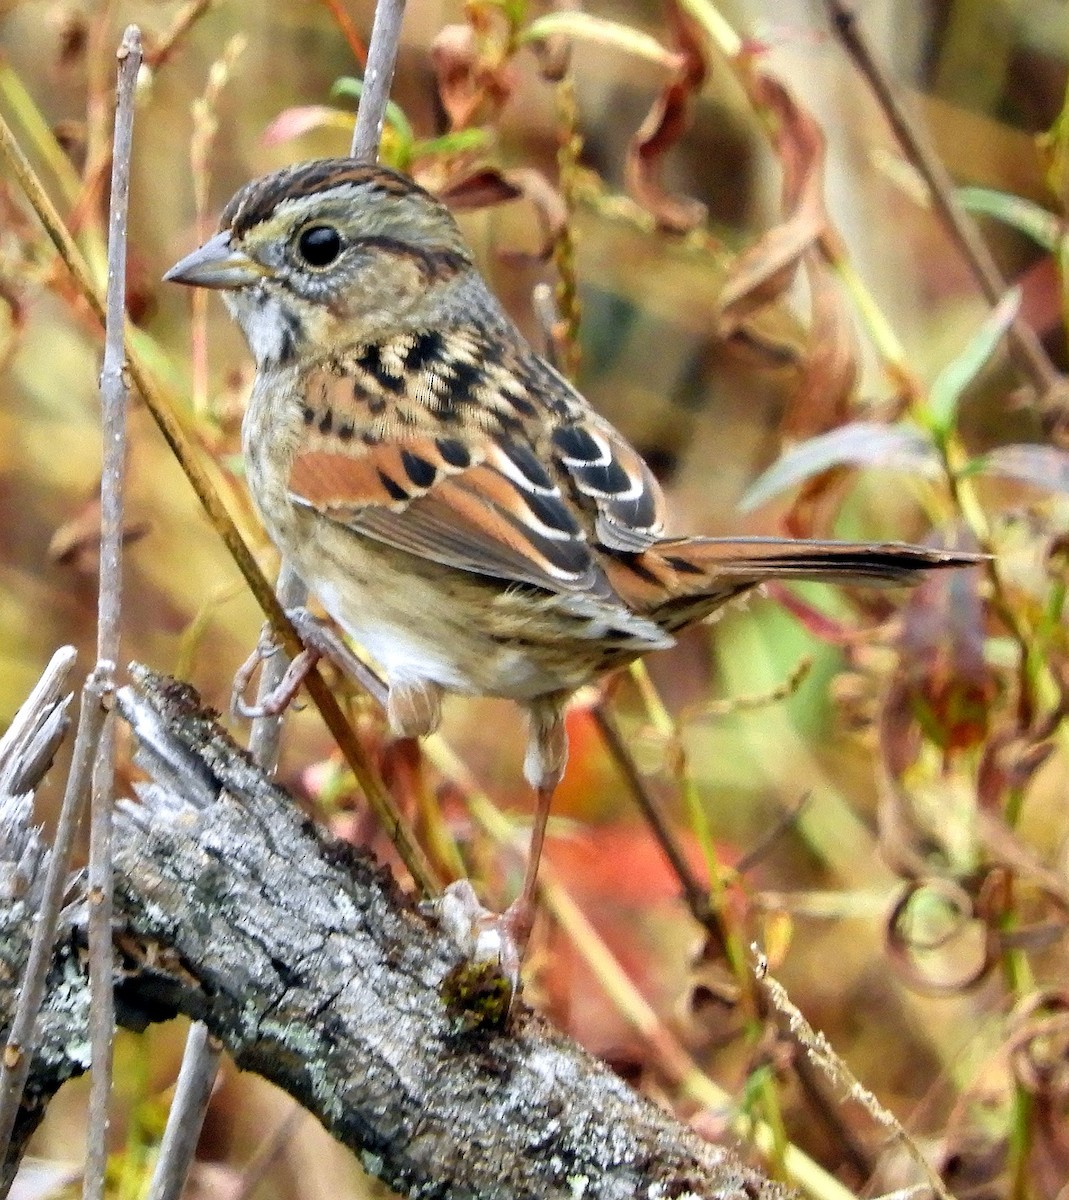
[455,504]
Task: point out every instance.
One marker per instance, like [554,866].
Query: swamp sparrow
[454,503]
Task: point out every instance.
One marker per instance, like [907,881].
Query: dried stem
[18,1052]
[114,388]
[268,1152]
[1028,351]
[381,59]
[193,1091]
[201,146]
[348,29]
[114,394]
[695,894]
[816,1046]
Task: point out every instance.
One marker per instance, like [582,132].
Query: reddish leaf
[816,622]
[294,122]
[665,124]
[588,863]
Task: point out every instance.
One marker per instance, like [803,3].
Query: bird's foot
[482,988]
[320,641]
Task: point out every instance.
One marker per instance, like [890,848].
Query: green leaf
[861,443]
[955,377]
[589,28]
[459,141]
[395,116]
[1028,218]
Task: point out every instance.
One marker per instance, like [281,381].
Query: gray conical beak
[217,265]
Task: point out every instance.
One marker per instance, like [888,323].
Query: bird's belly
[417,628]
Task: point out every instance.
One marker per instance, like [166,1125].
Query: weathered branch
[304,959]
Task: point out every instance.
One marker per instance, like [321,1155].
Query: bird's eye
[319,245]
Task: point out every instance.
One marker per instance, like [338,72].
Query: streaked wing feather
[610,472]
[489,517]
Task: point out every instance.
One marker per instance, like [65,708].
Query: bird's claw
[482,988]
[281,696]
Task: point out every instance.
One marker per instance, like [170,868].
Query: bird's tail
[680,580]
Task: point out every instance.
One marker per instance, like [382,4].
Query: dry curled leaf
[828,371]
[490,186]
[763,272]
[550,210]
[665,124]
[469,88]
[948,949]
[949,688]
[480,189]
[943,690]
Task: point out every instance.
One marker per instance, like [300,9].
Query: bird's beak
[217,265]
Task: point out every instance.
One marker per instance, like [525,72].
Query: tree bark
[304,958]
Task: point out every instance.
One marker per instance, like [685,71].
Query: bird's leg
[543,766]
[502,937]
[320,641]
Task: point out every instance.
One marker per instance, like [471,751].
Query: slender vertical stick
[114,393]
[202,1055]
[381,60]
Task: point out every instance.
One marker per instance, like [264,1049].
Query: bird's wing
[388,453]
[470,451]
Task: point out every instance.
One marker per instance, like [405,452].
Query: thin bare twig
[267,1153]
[1027,349]
[348,29]
[114,394]
[193,1091]
[186,17]
[381,60]
[15,1065]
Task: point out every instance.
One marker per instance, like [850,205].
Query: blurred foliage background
[884,778]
